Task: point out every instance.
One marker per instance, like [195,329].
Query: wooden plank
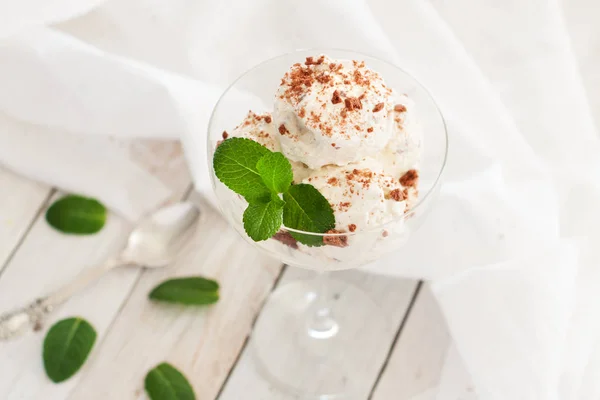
[44,261]
[392,295]
[203,342]
[414,370]
[20,201]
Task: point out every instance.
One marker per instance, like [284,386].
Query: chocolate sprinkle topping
[336,98]
[286,238]
[352,103]
[338,241]
[397,195]
[378,107]
[283,130]
[410,178]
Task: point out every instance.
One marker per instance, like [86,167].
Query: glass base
[320,353]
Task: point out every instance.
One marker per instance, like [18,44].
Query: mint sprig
[235,163]
[263,178]
[262,220]
[306,209]
[276,172]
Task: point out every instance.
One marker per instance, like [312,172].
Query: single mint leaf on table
[262,220]
[191,291]
[76,215]
[306,209]
[276,172]
[234,164]
[165,382]
[66,347]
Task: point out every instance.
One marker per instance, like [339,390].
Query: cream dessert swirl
[332,112]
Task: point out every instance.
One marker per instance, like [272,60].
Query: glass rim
[317,50]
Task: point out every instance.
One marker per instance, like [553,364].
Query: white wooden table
[208,345]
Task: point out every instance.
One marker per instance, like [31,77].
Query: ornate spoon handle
[15,323]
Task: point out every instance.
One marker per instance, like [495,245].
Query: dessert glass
[314,338]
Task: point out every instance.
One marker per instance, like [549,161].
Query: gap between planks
[411,305]
[247,340]
[43,204]
[393,295]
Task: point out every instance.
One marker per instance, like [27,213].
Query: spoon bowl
[158,238]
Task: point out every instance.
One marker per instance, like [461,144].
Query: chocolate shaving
[225,135]
[312,61]
[410,178]
[268,119]
[286,238]
[336,98]
[397,195]
[283,130]
[399,108]
[323,78]
[352,227]
[370,129]
[352,103]
[338,241]
[359,78]
[378,107]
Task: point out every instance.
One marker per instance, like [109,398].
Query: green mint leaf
[165,382]
[66,347]
[262,220]
[76,215]
[306,209]
[234,164]
[190,290]
[276,172]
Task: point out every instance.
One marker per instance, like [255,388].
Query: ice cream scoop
[362,195]
[261,129]
[332,112]
[404,149]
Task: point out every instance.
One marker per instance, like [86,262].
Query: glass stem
[321,323]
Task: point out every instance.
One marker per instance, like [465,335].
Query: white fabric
[515,267]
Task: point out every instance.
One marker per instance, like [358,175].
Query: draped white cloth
[515,232]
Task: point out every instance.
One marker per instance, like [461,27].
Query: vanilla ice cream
[403,151]
[332,112]
[361,194]
[354,139]
[261,129]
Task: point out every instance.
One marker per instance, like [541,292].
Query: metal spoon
[152,244]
